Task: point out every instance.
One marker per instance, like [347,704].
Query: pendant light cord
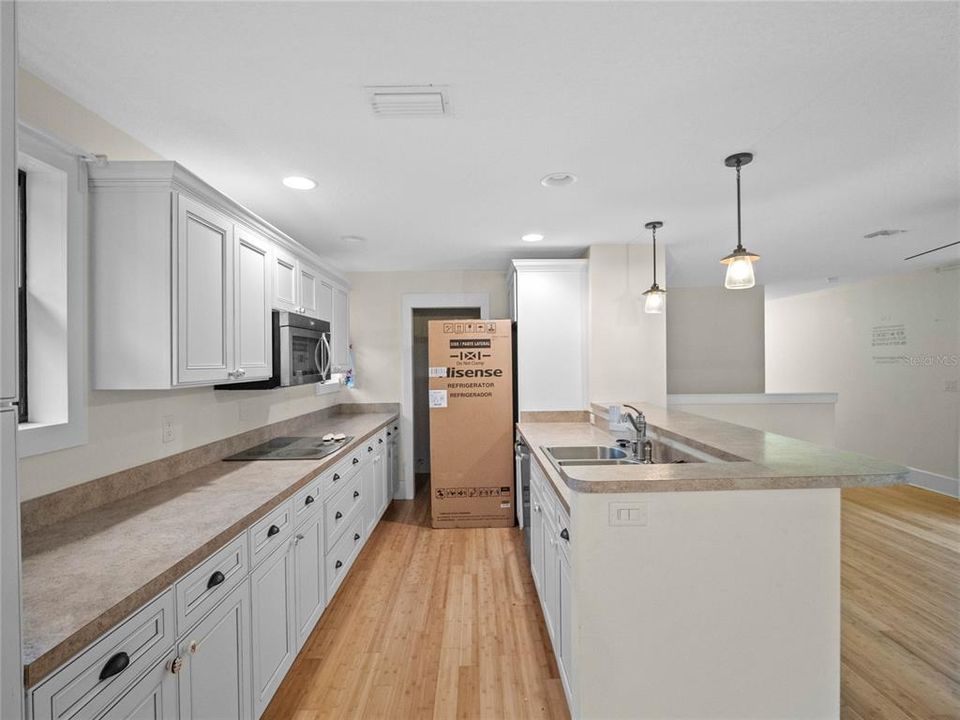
[739,243]
[654,257]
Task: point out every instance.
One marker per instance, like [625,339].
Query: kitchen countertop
[767,461]
[84,575]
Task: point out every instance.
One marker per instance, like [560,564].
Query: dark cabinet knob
[369,448]
[115,665]
[356,536]
[336,476]
[388,433]
[338,515]
[215,579]
[308,500]
[379,441]
[565,534]
[356,494]
[272,531]
[338,565]
[356,460]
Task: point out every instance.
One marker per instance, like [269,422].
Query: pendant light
[740,262]
[655,297]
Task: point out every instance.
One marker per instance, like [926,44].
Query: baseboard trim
[942,484]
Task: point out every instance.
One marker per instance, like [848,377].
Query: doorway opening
[421,409]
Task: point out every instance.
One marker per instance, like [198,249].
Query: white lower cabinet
[152,697]
[217,644]
[215,656]
[550,537]
[273,623]
[308,576]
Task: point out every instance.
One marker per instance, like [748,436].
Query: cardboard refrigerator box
[471,423]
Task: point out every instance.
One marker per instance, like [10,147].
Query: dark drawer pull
[336,476]
[338,565]
[215,579]
[308,500]
[115,665]
[565,534]
[356,494]
[356,536]
[338,515]
[356,460]
[272,531]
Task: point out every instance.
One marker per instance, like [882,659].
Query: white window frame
[39,153]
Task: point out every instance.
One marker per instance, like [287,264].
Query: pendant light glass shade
[740,270]
[740,262]
[655,298]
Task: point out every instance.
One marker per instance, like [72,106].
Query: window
[23,409]
[52,295]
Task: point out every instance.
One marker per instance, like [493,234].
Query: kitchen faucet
[640,427]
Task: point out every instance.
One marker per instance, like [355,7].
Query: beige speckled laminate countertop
[768,461]
[84,575]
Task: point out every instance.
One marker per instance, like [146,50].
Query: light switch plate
[628,513]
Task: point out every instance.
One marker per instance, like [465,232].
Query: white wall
[124,426]
[375,320]
[627,346]
[896,402]
[715,340]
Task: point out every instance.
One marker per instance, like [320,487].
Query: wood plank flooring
[447,624]
[900,593]
[428,624]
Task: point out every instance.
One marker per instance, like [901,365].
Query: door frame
[411,302]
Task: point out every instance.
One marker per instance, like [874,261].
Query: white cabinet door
[380,483]
[325,301]
[308,576]
[565,625]
[152,697]
[215,677]
[550,590]
[252,293]
[286,295]
[273,624]
[309,282]
[369,488]
[204,287]
[536,541]
[340,330]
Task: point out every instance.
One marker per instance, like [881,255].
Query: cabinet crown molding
[159,175]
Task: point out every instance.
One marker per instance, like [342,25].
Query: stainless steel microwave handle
[316,357]
[328,354]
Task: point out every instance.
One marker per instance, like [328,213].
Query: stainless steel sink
[588,453]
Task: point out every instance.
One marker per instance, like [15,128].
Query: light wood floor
[447,624]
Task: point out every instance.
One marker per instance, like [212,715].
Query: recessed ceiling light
[532,237]
[558,179]
[296,182]
[353,239]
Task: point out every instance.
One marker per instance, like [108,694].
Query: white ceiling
[850,108]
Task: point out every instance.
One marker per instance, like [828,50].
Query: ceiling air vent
[410,101]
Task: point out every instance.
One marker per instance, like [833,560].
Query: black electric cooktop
[291,448]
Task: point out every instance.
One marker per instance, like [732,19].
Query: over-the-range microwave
[301,353]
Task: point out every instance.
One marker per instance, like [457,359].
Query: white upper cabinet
[204,281]
[184,280]
[254,344]
[549,301]
[286,296]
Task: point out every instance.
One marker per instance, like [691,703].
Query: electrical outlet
[166,424]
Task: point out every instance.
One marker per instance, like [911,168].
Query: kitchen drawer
[270,531]
[80,690]
[342,554]
[339,511]
[308,500]
[203,587]
[344,472]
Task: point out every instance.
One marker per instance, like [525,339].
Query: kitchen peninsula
[703,588]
